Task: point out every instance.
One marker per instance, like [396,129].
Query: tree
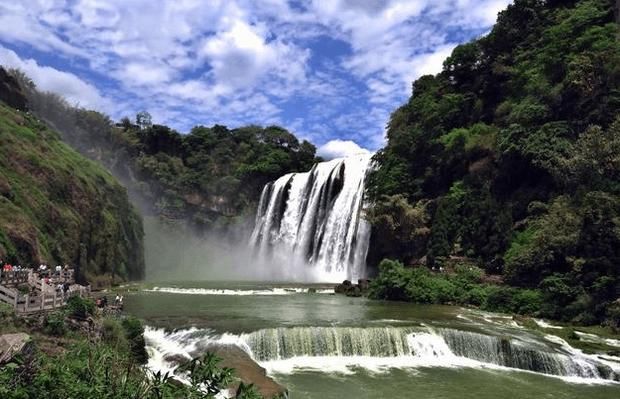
[144,120]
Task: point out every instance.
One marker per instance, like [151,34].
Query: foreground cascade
[311,223]
[420,346]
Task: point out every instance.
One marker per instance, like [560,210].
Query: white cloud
[340,148]
[240,61]
[74,89]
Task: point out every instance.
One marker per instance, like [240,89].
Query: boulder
[343,288]
[363,284]
[176,359]
[12,345]
[355,291]
[248,371]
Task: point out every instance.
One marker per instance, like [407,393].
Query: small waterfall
[389,346]
[505,352]
[443,346]
[314,218]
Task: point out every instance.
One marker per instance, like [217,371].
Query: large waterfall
[309,225]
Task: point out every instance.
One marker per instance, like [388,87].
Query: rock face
[248,371]
[13,344]
[10,92]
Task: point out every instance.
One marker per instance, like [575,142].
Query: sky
[330,71]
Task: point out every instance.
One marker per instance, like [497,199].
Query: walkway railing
[44,295]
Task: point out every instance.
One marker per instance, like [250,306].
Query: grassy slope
[58,207]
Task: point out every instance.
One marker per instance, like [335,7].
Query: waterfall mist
[176,253]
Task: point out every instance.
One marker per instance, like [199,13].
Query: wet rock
[176,359]
[349,289]
[248,371]
[343,288]
[354,291]
[12,345]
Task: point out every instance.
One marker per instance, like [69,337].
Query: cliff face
[58,207]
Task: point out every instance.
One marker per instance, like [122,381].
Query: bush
[54,324]
[500,299]
[113,334]
[79,307]
[391,283]
[134,333]
[477,295]
[527,301]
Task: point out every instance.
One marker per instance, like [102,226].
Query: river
[321,345]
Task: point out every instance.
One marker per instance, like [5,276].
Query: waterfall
[442,346]
[313,220]
[387,346]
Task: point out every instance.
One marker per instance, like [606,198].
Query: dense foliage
[65,359]
[511,157]
[209,177]
[462,286]
[58,207]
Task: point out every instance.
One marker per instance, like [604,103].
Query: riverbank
[79,352]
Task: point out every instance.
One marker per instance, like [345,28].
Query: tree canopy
[512,153]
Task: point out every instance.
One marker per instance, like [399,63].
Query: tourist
[117,300]
[58,269]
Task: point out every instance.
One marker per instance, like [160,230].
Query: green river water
[329,346]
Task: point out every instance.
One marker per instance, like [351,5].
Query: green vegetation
[58,207]
[65,359]
[208,178]
[510,157]
[462,286]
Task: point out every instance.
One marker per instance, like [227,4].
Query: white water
[338,349]
[241,292]
[309,225]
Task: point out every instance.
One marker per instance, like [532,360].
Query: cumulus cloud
[74,89]
[340,148]
[236,62]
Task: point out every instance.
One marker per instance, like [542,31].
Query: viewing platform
[29,291]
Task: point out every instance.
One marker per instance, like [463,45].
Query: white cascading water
[311,225]
[284,349]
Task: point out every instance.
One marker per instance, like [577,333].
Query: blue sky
[331,71]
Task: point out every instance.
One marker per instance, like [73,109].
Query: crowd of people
[43,269]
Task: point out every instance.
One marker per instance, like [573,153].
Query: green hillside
[509,158]
[58,207]
[208,179]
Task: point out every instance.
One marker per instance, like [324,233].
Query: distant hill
[58,207]
[209,179]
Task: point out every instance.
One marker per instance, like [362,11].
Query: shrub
[500,299]
[113,334]
[54,324]
[527,301]
[79,307]
[392,281]
[134,333]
